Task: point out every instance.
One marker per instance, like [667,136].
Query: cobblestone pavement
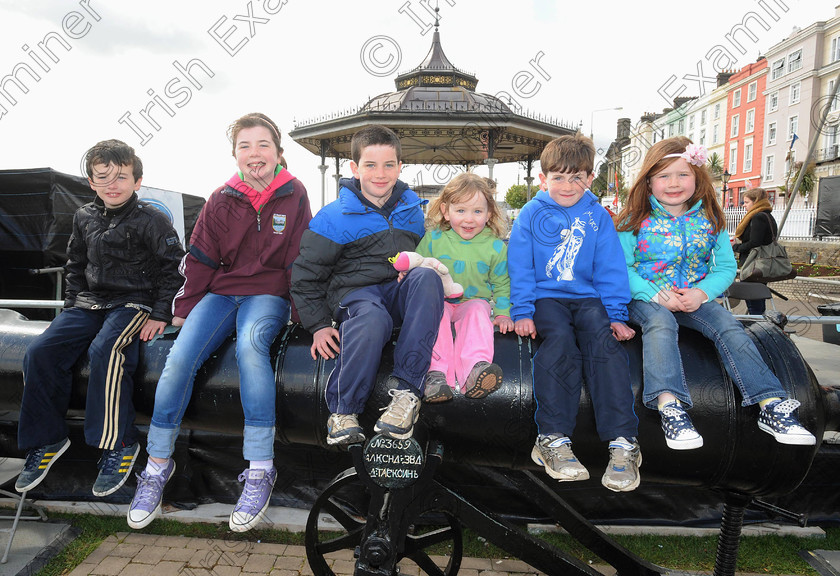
[129,554]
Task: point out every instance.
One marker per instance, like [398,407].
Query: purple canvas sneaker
[145,506]
[256,493]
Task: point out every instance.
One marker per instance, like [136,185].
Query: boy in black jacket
[122,274]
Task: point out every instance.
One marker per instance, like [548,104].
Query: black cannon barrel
[498,430]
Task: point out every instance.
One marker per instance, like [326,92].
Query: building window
[771,133]
[716,115]
[748,149]
[670,130]
[836,101]
[691,122]
[769,166]
[793,126]
[703,118]
[715,131]
[736,98]
[795,90]
[750,125]
[778,69]
[794,61]
[835,50]
[681,126]
[702,136]
[752,90]
[773,102]
[691,136]
[735,120]
[733,159]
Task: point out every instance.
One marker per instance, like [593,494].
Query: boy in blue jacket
[349,296]
[569,284]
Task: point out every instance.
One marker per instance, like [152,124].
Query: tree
[517,195]
[715,164]
[808,180]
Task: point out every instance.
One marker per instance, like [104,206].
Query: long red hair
[638,206]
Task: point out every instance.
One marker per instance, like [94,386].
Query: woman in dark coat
[757,228]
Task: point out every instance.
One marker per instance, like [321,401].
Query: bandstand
[441,121]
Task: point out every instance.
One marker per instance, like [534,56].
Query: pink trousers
[472,343]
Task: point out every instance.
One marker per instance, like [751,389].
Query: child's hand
[178,321]
[671,300]
[622,331]
[691,298]
[401,275]
[151,328]
[504,323]
[326,342]
[525,327]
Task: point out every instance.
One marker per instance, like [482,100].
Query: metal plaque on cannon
[393,463]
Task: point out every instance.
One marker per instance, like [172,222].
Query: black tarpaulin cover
[36,219]
[828,207]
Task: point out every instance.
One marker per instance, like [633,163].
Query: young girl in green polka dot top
[465,231]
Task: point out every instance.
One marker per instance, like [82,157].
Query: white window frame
[691,122]
[769,167]
[795,92]
[748,157]
[794,61]
[736,98]
[793,126]
[703,117]
[752,91]
[702,137]
[716,115]
[715,133]
[736,119]
[771,133]
[733,159]
[773,101]
[836,102]
[749,123]
[777,69]
[681,126]
[834,56]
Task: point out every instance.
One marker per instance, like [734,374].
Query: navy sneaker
[145,506]
[250,509]
[38,463]
[778,418]
[114,468]
[679,431]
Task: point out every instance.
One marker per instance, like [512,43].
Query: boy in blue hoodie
[350,298]
[569,284]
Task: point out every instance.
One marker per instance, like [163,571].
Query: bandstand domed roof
[440,119]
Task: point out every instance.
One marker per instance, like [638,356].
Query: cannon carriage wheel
[347,501]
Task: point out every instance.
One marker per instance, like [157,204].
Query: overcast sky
[297,60]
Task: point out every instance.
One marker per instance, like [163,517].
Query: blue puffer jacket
[347,246]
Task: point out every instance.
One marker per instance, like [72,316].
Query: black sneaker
[38,462]
[435,388]
[114,468]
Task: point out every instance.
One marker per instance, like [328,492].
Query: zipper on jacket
[258,218]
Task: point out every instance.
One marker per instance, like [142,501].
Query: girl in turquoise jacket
[679,259]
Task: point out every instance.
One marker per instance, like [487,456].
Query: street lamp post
[592,119]
[725,177]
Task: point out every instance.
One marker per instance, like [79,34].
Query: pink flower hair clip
[694,154]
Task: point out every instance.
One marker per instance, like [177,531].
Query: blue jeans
[257,321]
[663,369]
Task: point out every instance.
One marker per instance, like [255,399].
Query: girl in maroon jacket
[237,276]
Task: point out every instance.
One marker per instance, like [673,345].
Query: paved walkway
[129,554]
